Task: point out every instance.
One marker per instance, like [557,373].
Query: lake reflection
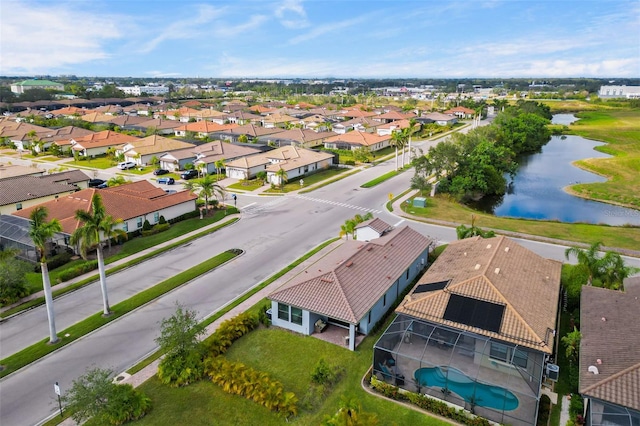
[537,190]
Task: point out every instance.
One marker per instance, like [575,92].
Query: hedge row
[238,379]
[429,404]
[155,229]
[78,270]
[228,332]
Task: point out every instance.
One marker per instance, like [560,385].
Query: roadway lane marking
[335,203]
[249,205]
[260,208]
[396,225]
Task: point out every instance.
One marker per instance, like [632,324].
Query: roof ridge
[611,378]
[493,255]
[344,296]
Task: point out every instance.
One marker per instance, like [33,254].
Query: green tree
[282,177]
[40,233]
[473,231]
[95,395]
[117,181]
[206,188]
[219,164]
[97,226]
[13,273]
[350,413]
[262,175]
[397,141]
[243,138]
[614,271]
[155,162]
[347,228]
[588,260]
[572,345]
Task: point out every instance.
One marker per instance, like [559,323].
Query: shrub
[156,229]
[162,220]
[350,163]
[146,226]
[576,406]
[544,409]
[322,374]
[177,370]
[78,270]
[58,260]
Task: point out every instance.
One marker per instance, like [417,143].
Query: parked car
[158,172]
[189,174]
[102,185]
[95,183]
[167,181]
[126,165]
[170,191]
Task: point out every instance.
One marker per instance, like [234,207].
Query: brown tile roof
[252,130]
[100,139]
[206,127]
[500,271]
[22,188]
[611,334]
[460,109]
[65,133]
[357,138]
[156,144]
[303,135]
[377,224]
[348,281]
[219,150]
[13,170]
[125,202]
[127,120]
[395,116]
[291,157]
[97,117]
[159,123]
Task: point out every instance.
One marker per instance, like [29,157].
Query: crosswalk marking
[255,209]
[336,203]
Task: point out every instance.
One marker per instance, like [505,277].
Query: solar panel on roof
[474,313]
[425,288]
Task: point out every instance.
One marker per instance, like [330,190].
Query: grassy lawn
[380,179]
[294,184]
[250,185]
[620,129]
[94,163]
[443,208]
[262,349]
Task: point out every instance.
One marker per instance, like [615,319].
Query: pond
[537,191]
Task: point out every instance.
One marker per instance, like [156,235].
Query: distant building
[25,85]
[149,90]
[628,92]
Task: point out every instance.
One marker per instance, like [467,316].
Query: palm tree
[219,166]
[97,226]
[205,187]
[572,344]
[615,271]
[412,125]
[588,260]
[282,177]
[117,181]
[40,232]
[397,140]
[347,228]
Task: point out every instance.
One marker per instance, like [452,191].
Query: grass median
[34,352]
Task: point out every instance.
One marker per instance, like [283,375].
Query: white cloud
[321,30]
[157,74]
[291,14]
[226,30]
[39,39]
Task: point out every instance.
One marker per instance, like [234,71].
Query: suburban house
[133,203]
[278,120]
[439,118]
[68,112]
[20,132]
[248,131]
[13,170]
[157,126]
[609,357]
[297,162]
[391,116]
[461,112]
[96,117]
[370,229]
[480,324]
[302,138]
[352,287]
[355,140]
[203,128]
[210,153]
[21,192]
[141,151]
[45,140]
[388,128]
[243,117]
[359,124]
[98,143]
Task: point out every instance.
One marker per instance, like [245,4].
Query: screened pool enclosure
[494,379]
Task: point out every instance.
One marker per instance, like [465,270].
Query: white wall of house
[135,223]
[305,328]
[238,173]
[366,233]
[300,171]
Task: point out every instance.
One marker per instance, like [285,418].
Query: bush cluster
[429,404]
[78,270]
[57,261]
[238,379]
[544,409]
[230,331]
[155,229]
[323,378]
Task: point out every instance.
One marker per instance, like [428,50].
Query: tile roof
[155,144]
[348,281]
[219,150]
[124,201]
[377,224]
[291,157]
[13,170]
[101,139]
[159,123]
[23,188]
[357,138]
[302,135]
[252,130]
[500,271]
[610,334]
[395,116]
[206,127]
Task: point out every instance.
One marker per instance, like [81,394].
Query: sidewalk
[117,263]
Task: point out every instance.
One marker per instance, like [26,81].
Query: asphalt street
[273,231]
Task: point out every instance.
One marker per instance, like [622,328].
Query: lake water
[537,190]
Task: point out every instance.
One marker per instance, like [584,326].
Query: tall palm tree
[397,140]
[41,232]
[282,177]
[97,226]
[412,129]
[219,166]
[205,187]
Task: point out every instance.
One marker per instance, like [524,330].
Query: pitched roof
[101,139]
[13,170]
[218,150]
[252,130]
[302,135]
[122,202]
[23,188]
[155,144]
[357,138]
[206,127]
[377,224]
[610,334]
[438,116]
[348,281]
[496,270]
[395,116]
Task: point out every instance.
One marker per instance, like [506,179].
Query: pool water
[485,395]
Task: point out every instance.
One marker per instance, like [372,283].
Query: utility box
[419,202]
[553,371]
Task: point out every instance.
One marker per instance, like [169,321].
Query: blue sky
[321,38]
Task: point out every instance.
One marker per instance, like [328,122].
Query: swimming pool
[485,395]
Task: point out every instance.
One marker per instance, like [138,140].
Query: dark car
[158,172]
[94,183]
[167,181]
[189,174]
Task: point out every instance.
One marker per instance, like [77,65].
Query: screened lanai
[494,379]
[14,234]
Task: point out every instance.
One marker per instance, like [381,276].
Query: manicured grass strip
[390,203]
[330,181]
[56,293]
[309,180]
[380,179]
[238,300]
[34,352]
[246,186]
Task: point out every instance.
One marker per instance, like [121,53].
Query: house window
[156,217]
[509,354]
[499,352]
[283,312]
[139,224]
[384,300]
[19,206]
[369,318]
[125,226]
[520,358]
[407,277]
[296,315]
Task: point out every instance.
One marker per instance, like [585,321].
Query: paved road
[273,232]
